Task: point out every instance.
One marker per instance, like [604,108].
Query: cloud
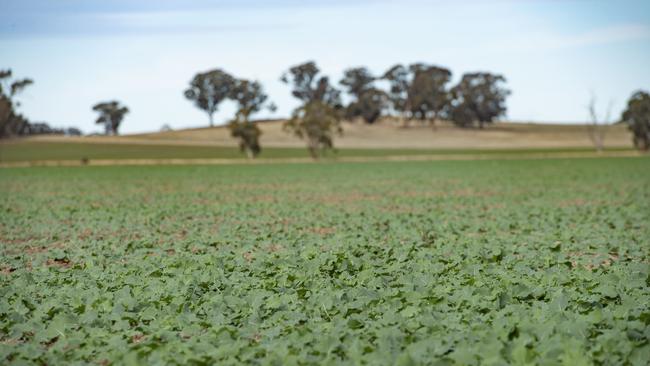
[612,34]
[543,41]
[81,18]
[130,23]
[186,22]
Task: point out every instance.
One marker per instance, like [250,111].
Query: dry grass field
[387,140]
[390,135]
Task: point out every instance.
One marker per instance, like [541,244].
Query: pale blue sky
[554,53]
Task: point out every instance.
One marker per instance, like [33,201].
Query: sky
[555,54]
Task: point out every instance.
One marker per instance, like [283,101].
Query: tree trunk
[598,139]
[404,119]
[313,150]
[596,134]
[433,120]
[114,127]
[211,120]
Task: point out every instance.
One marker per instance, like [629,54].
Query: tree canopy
[309,86]
[111,115]
[357,80]
[398,80]
[248,135]
[478,98]
[368,101]
[208,89]
[250,99]
[370,105]
[249,96]
[318,119]
[12,123]
[317,123]
[418,91]
[637,117]
[427,93]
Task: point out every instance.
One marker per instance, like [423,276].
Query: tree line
[418,93]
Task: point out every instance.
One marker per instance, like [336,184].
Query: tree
[317,122]
[596,127]
[637,118]
[369,102]
[357,80]
[369,105]
[419,91]
[72,131]
[318,119]
[11,123]
[309,87]
[10,88]
[7,118]
[111,115]
[207,90]
[427,93]
[398,80]
[249,137]
[250,98]
[478,97]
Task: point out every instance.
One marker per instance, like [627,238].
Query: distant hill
[389,134]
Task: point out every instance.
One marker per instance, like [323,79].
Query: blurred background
[553,54]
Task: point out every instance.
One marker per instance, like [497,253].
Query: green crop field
[492,262]
[27,151]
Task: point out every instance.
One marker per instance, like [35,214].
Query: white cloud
[543,41]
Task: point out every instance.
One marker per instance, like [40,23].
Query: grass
[472,262]
[25,151]
[445,135]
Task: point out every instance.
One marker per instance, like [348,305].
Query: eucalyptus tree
[111,115]
[478,98]
[427,93]
[357,80]
[309,86]
[368,101]
[637,118]
[208,89]
[370,105]
[398,80]
[11,122]
[250,99]
[418,91]
[318,118]
[317,123]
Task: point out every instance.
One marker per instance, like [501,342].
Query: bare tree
[597,126]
